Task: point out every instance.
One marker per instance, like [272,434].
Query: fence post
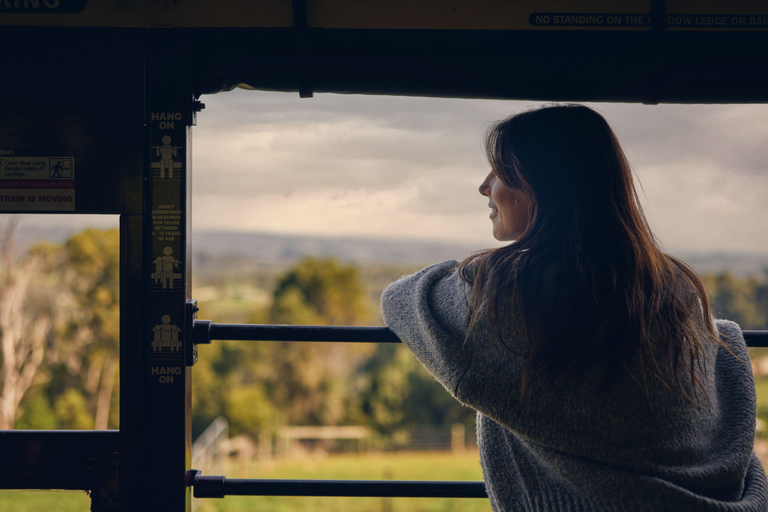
[458,444]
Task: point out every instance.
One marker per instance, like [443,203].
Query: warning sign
[166,223]
[34,182]
[629,20]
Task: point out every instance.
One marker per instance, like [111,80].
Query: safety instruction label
[34,182]
[630,20]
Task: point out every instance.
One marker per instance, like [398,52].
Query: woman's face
[509,208]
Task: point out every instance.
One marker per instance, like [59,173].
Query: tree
[90,267]
[320,292]
[740,300]
[386,386]
[260,386]
[311,381]
[26,323]
[72,291]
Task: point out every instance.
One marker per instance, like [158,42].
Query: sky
[408,167]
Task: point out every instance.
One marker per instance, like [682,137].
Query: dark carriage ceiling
[635,51]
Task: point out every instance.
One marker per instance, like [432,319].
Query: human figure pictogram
[166,335]
[57,170]
[166,152]
[164,266]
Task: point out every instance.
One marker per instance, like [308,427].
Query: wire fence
[213,449]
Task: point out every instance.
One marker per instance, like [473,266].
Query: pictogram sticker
[166,154]
[36,182]
[166,336]
[164,269]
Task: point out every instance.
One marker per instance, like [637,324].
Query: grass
[761,388]
[410,466]
[44,501]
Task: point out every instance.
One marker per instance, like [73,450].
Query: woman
[599,379]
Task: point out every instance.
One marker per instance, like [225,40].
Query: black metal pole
[206,331]
[756,338]
[302,333]
[219,486]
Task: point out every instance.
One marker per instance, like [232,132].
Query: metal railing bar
[319,333]
[756,338]
[208,331]
[219,486]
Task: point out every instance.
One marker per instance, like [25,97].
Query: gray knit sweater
[638,452]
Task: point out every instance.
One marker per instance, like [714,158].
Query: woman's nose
[485,186]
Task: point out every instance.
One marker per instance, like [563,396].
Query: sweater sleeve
[429,311]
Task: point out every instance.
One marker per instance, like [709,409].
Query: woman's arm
[429,311]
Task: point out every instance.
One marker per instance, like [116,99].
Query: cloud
[420,148]
[703,206]
[729,136]
[394,166]
[409,167]
[346,153]
[364,213]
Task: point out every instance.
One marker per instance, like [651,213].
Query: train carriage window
[60,303]
[60,297]
[292,192]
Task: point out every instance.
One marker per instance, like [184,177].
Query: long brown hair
[588,275]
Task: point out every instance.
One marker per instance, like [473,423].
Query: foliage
[38,413]
[745,301]
[27,317]
[91,270]
[76,384]
[263,385]
[381,386]
[320,292]
[387,385]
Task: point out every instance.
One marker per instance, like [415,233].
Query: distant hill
[270,248]
[739,264]
[276,249]
[280,249]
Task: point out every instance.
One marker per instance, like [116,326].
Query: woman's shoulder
[430,273]
[732,336]
[419,287]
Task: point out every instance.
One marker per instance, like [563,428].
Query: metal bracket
[201,332]
[189,322]
[196,107]
[209,486]
[191,476]
[198,332]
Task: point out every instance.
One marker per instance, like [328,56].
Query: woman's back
[600,381]
[643,446]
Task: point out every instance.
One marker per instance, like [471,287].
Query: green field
[44,501]
[410,466]
[761,388]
